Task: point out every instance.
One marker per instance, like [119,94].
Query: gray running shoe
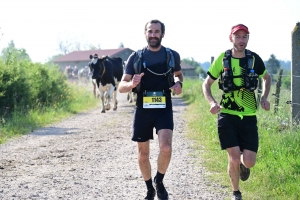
[150,195]
[244,172]
[237,197]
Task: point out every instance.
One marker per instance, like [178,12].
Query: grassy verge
[276,174]
[78,99]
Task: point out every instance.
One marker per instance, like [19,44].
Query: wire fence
[288,101]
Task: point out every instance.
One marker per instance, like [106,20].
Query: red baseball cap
[239,27]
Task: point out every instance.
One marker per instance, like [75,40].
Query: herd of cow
[109,73]
[74,73]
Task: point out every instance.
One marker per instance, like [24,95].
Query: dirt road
[91,156]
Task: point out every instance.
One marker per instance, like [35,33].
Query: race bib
[154,100]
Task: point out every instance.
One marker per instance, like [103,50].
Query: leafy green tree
[50,59]
[121,45]
[286,79]
[93,47]
[273,65]
[12,53]
[285,64]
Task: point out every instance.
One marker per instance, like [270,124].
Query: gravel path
[91,156]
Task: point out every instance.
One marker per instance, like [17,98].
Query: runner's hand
[215,108]
[177,88]
[265,104]
[136,79]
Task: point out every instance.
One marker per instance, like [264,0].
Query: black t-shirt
[157,63]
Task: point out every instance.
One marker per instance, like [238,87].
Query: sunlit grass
[276,174]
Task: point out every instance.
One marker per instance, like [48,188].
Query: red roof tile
[85,55]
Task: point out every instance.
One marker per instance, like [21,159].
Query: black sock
[149,184]
[236,192]
[159,177]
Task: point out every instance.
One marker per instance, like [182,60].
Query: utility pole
[295,82]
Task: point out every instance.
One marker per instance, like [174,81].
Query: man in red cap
[238,70]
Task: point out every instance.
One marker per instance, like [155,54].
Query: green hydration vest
[138,62]
[250,78]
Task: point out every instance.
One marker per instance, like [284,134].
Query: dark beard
[239,48]
[155,44]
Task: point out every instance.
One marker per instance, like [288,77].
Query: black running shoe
[244,172]
[237,197]
[150,195]
[162,193]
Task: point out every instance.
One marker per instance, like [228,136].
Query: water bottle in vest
[252,81]
[227,81]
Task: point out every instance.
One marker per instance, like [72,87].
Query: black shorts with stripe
[144,120]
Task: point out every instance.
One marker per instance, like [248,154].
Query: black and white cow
[131,96]
[107,74]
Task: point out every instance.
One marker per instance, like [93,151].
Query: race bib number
[151,101]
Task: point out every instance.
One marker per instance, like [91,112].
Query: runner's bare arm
[265,104]
[206,87]
[128,82]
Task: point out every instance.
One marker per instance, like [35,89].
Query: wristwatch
[179,83]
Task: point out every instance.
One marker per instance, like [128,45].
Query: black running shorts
[144,120]
[234,131]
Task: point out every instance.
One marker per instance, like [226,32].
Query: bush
[25,85]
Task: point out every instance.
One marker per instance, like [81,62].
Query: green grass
[78,99]
[276,174]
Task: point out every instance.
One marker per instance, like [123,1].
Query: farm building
[81,58]
[188,70]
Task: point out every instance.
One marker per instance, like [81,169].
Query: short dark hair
[154,21]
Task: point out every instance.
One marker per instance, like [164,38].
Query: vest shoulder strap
[137,61]
[248,52]
[228,53]
[170,58]
[249,56]
[227,59]
[250,59]
[139,53]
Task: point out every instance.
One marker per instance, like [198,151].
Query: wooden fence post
[295,72]
[212,59]
[277,94]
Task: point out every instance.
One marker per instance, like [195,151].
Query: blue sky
[197,29]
